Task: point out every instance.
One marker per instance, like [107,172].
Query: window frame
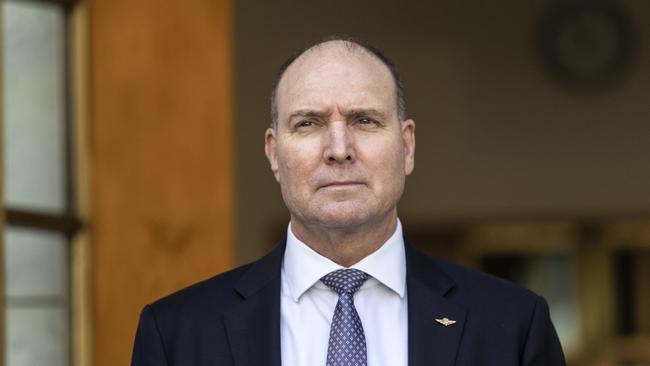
[68,222]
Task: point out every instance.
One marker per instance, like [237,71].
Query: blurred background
[133,165]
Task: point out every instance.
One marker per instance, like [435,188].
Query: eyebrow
[307,113]
[355,112]
[366,112]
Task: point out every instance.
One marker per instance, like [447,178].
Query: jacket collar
[431,342]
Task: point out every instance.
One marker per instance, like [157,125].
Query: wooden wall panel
[162,162]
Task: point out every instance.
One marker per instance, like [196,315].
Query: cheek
[297,161]
[386,157]
[385,162]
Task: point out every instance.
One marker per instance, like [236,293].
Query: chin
[341,216]
[340,222]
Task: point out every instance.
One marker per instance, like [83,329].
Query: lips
[342,184]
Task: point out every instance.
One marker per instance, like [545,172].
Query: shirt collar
[303,267]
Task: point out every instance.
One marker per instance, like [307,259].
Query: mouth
[342,185]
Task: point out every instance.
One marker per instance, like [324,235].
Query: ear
[408,139]
[270,145]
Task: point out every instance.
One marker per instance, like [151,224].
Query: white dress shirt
[307,305]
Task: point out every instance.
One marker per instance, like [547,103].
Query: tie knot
[346,280]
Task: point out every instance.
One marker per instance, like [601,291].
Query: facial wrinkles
[331,107]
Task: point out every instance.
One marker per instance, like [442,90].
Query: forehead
[336,75]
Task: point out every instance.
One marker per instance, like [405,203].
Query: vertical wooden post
[162,191]
[3,310]
[596,294]
[81,269]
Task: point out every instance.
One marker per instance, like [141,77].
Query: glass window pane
[35,262]
[37,336]
[551,275]
[34,103]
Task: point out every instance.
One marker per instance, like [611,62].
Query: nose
[339,144]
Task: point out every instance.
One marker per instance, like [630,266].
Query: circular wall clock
[586,43]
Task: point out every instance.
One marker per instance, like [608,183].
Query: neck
[348,245]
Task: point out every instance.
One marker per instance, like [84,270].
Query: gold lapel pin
[446,321]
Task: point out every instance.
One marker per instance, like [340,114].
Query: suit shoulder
[215,294]
[219,294]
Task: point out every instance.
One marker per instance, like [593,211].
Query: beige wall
[496,136]
[162,211]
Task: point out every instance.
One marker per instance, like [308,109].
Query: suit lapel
[253,327]
[431,343]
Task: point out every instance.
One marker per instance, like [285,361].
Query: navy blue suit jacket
[233,319]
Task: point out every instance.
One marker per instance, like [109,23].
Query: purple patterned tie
[347,345]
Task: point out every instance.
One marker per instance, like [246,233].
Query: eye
[305,124]
[366,121]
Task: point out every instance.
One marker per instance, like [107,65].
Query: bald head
[338,47]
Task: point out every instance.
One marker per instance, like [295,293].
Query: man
[344,288]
